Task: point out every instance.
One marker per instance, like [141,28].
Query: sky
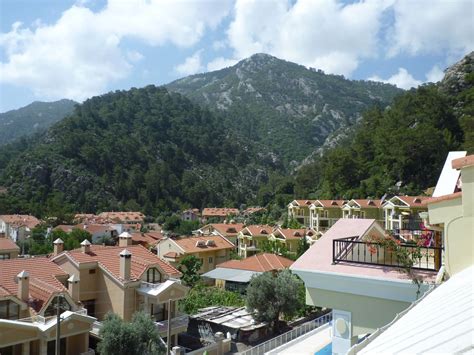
[54,49]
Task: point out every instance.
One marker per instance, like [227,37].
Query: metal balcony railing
[355,251]
[176,322]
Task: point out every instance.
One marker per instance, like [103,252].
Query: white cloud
[326,34]
[433,27]
[191,65]
[435,74]
[220,63]
[218,45]
[402,79]
[82,53]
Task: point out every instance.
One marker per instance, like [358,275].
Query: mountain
[142,149]
[32,118]
[400,149]
[284,106]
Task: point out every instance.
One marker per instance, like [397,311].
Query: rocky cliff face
[456,78]
[289,108]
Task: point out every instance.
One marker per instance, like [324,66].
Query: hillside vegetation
[286,107]
[33,118]
[143,149]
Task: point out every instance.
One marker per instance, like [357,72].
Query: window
[210,260]
[9,310]
[4,256]
[153,276]
[362,214]
[92,271]
[63,306]
[325,214]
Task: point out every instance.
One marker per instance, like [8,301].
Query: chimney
[58,246]
[86,246]
[74,287]
[125,264]
[23,286]
[125,239]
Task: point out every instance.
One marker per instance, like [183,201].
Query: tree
[202,296]
[189,266]
[302,247]
[273,296]
[122,338]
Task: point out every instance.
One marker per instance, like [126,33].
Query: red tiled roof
[19,220]
[368,203]
[108,257]
[462,162]
[190,244]
[64,227]
[413,201]
[148,238]
[263,229]
[123,216]
[251,210]
[172,254]
[8,244]
[331,203]
[228,229]
[289,233]
[261,263]
[304,202]
[43,279]
[219,212]
[95,228]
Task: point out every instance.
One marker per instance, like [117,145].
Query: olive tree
[138,337]
[271,297]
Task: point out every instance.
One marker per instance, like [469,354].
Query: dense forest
[142,149]
[156,151]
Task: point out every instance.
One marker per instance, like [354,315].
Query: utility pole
[58,325]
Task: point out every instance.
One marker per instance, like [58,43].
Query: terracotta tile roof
[227,230]
[19,220]
[147,239]
[64,227]
[331,203]
[462,162]
[172,254]
[413,201]
[8,244]
[452,196]
[253,230]
[289,233]
[108,257]
[367,203]
[190,244]
[318,257]
[123,217]
[303,202]
[261,263]
[219,212]
[43,279]
[95,228]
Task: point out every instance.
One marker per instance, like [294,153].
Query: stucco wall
[368,313]
[109,296]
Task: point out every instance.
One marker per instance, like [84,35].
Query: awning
[235,275]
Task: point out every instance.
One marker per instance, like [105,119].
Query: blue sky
[77,49]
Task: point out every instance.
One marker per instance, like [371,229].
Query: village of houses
[366,301]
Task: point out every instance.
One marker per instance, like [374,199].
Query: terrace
[366,252]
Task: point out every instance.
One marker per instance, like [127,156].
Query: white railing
[150,285]
[36,319]
[96,326]
[288,336]
[177,322]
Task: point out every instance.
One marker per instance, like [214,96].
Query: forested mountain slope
[400,149]
[32,118]
[142,149]
[285,106]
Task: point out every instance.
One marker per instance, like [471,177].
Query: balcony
[355,251]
